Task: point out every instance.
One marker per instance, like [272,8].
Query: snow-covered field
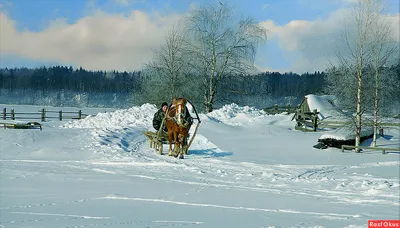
[245,169]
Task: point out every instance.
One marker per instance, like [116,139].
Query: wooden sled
[12,124]
[156,142]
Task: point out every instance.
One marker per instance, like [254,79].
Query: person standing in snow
[159,116]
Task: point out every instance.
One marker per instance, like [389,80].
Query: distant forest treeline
[66,78]
[62,85]
[65,86]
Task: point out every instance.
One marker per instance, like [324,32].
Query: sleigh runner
[179,135]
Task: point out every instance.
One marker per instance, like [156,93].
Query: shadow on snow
[211,152]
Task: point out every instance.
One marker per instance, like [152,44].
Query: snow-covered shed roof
[325,106]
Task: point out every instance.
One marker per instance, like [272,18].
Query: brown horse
[178,127]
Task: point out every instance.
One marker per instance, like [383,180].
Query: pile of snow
[142,116]
[137,116]
[324,106]
[234,115]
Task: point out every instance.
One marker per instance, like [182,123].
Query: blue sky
[35,15]
[39,23]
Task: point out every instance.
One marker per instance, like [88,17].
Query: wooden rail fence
[279,109]
[42,115]
[313,125]
[384,149]
[309,122]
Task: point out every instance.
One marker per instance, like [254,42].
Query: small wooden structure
[336,139]
[306,119]
[314,110]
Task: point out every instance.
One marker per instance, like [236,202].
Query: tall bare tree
[358,53]
[383,48]
[217,47]
[359,77]
[167,76]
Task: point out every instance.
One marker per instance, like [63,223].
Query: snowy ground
[245,169]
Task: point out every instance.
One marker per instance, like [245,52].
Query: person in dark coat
[159,116]
[188,117]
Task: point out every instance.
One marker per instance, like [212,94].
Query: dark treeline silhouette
[269,88]
[66,78]
[262,89]
[65,86]
[59,85]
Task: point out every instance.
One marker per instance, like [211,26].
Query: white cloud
[100,41]
[315,42]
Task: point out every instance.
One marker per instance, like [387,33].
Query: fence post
[43,115]
[381,132]
[4,113]
[315,120]
[80,114]
[12,114]
[60,115]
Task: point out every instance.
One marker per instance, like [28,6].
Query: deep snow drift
[245,169]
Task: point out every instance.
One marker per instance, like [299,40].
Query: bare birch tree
[358,79]
[167,76]
[218,47]
[358,53]
[382,49]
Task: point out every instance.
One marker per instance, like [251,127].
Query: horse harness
[178,118]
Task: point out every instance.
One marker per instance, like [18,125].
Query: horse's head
[180,110]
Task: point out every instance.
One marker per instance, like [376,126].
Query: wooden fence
[309,121]
[279,109]
[384,149]
[306,120]
[42,115]
[316,124]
